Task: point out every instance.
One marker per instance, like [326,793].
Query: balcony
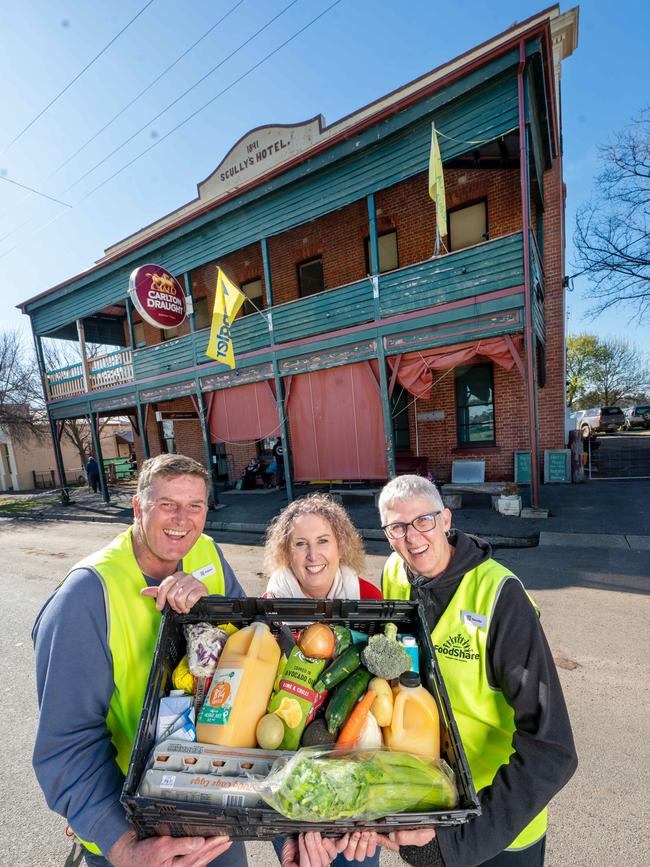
[476,271]
[104,371]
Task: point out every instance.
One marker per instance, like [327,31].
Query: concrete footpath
[611,514]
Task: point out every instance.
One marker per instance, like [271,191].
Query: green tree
[609,372]
[580,356]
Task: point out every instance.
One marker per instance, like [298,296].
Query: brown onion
[317,641]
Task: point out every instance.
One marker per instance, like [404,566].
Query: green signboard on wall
[557,465]
[523,467]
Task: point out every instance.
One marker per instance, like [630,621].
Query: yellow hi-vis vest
[485,720]
[133,623]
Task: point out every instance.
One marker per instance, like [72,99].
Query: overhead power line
[179,98]
[181,124]
[146,89]
[76,78]
[32,190]
[210,101]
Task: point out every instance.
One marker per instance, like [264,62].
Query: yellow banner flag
[437,183]
[227,301]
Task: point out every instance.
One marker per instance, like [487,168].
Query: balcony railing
[480,270]
[114,368]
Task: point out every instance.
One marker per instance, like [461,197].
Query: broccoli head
[384,656]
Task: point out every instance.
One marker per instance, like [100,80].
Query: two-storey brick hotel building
[371,355]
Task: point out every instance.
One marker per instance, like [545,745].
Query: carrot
[356,721]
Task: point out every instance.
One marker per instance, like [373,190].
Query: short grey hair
[408,488]
[169,466]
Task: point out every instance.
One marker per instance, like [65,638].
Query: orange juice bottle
[240,688]
[415,726]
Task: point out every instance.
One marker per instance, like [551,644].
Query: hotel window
[475,405]
[310,277]
[201,314]
[388,258]
[467,225]
[168,333]
[138,331]
[255,294]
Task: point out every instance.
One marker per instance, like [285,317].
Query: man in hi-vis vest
[500,677]
[95,640]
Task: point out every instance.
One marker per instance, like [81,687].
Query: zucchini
[343,639]
[342,667]
[344,698]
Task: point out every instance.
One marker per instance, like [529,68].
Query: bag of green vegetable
[294,695]
[323,784]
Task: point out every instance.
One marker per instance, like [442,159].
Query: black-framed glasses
[423,524]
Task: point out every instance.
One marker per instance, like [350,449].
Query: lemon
[290,711]
[270,731]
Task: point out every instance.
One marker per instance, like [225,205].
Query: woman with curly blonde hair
[313,550]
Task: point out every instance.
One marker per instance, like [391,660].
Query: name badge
[469,618]
[204,571]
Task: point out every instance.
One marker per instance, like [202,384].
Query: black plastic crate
[151,816]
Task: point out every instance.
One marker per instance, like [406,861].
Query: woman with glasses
[500,677]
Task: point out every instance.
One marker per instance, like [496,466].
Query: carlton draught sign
[157,296]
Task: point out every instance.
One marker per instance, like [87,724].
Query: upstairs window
[201,314]
[254,297]
[138,332]
[168,333]
[310,277]
[388,258]
[467,225]
[475,405]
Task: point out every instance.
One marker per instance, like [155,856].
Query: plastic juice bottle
[415,726]
[240,688]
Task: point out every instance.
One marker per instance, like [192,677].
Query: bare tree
[22,402]
[612,235]
[20,390]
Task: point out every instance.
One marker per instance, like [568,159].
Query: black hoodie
[520,664]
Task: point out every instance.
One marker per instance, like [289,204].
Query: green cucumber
[344,698]
[341,668]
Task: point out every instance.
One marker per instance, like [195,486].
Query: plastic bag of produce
[204,646]
[319,784]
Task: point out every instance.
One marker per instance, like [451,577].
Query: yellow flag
[437,183]
[227,301]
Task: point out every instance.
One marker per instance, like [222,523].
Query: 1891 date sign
[157,296]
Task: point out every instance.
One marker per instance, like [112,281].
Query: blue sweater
[74,758]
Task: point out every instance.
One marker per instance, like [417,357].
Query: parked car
[603,419]
[637,416]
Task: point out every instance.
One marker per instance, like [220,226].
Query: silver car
[603,419]
[637,416]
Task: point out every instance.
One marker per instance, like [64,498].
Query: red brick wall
[438,440]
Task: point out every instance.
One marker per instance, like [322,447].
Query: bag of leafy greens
[324,784]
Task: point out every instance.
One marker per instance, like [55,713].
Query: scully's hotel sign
[157,296]
[258,152]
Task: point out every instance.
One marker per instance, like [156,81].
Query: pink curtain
[244,413]
[336,424]
[415,368]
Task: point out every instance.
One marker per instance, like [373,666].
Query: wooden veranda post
[279,385]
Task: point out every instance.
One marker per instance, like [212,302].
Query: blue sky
[356,52]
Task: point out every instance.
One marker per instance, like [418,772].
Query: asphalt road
[596,610]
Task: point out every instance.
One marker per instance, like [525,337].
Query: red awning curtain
[415,368]
[336,424]
[244,413]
